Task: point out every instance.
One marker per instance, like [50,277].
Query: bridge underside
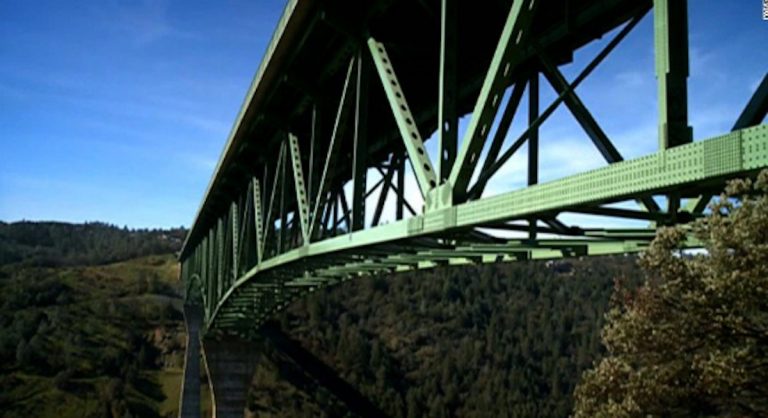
[325,176]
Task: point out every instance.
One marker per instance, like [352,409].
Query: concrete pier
[190,383]
[230,363]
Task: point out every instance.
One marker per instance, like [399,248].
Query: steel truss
[294,219]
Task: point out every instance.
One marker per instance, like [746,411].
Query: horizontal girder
[687,169]
[285,211]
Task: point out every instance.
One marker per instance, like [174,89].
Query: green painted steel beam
[209,276]
[360,144]
[386,180]
[752,114]
[399,189]
[670,23]
[243,308]
[507,56]
[235,238]
[622,234]
[447,113]
[282,234]
[273,196]
[533,143]
[586,120]
[219,260]
[287,20]
[580,112]
[757,107]
[239,293]
[623,213]
[266,98]
[258,220]
[729,155]
[500,136]
[299,186]
[333,148]
[414,144]
[495,164]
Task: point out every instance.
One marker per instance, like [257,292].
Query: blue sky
[117,111]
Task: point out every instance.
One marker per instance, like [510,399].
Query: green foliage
[507,340]
[51,244]
[693,340]
[87,340]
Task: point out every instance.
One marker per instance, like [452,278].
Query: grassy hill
[81,336]
[81,341]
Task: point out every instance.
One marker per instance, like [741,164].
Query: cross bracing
[346,92]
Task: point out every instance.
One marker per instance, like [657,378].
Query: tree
[693,340]
[62,379]
[23,353]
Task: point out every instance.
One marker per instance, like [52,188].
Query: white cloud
[145,21]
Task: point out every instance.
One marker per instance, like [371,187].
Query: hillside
[506,340]
[82,338]
[53,244]
[85,335]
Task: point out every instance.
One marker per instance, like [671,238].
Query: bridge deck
[311,47]
[348,89]
[272,284]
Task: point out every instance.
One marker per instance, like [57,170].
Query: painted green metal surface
[733,154]
[285,213]
[505,59]
[448,115]
[414,144]
[670,18]
[301,193]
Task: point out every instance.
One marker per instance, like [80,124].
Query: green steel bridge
[350,90]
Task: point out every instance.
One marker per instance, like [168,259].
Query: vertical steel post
[235,240]
[400,187]
[533,141]
[219,258]
[498,138]
[345,212]
[448,120]
[497,78]
[258,221]
[326,219]
[204,269]
[283,204]
[207,270]
[334,144]
[302,203]
[268,221]
[670,21]
[360,149]
[386,182]
[335,217]
[312,139]
[211,269]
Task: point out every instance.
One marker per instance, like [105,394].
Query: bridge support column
[190,383]
[230,362]
[670,21]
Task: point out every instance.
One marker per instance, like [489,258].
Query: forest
[666,333]
[670,333]
[505,340]
[496,340]
[90,321]
[54,244]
